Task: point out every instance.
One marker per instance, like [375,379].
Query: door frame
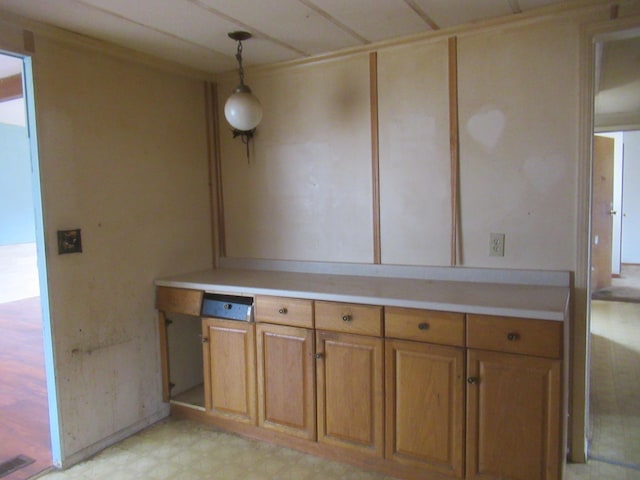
[47,330]
[16,44]
[590,35]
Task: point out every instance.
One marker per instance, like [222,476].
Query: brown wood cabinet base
[329,452]
[413,394]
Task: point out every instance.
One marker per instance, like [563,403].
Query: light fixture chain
[239,59]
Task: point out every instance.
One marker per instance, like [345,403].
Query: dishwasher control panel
[229,307]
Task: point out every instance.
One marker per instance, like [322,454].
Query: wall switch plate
[69,241]
[496,244]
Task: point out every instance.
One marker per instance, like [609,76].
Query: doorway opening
[614,320]
[29,440]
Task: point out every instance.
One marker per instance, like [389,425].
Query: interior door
[602,212]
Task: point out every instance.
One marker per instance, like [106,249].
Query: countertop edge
[528,309]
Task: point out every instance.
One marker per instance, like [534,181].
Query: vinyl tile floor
[614,443]
[185,450]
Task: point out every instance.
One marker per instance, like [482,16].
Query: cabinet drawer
[179,300]
[515,335]
[445,328]
[294,312]
[349,318]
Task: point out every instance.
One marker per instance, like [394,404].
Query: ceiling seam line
[422,14]
[326,15]
[254,31]
[149,27]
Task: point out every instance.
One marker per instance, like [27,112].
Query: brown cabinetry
[286,380]
[425,390]
[349,318]
[350,392]
[178,303]
[294,312]
[410,392]
[513,400]
[229,369]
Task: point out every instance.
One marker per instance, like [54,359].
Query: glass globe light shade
[243,110]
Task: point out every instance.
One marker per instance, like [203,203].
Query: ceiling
[618,84]
[194,32]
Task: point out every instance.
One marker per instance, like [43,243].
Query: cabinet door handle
[204,339]
[282,311]
[472,380]
[423,326]
[512,336]
[346,318]
[318,356]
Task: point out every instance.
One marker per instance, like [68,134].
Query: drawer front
[294,312]
[349,318]
[179,300]
[445,328]
[515,335]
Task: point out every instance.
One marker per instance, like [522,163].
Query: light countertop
[543,302]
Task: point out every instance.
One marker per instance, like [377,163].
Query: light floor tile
[180,449]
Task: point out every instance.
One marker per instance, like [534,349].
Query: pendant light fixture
[242,109]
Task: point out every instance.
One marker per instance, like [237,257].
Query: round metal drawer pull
[227,306]
[346,318]
[512,336]
[318,356]
[472,380]
[423,326]
[282,311]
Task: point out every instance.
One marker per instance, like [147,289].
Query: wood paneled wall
[502,100]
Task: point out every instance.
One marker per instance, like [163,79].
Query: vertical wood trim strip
[615,9]
[454,146]
[375,156]
[217,199]
[28,41]
[164,357]
[209,114]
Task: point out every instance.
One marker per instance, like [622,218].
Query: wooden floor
[24,421]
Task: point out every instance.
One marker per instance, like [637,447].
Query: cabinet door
[286,380]
[350,391]
[425,405]
[513,416]
[229,369]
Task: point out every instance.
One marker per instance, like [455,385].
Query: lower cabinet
[412,393]
[513,416]
[228,351]
[286,380]
[350,391]
[425,406]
